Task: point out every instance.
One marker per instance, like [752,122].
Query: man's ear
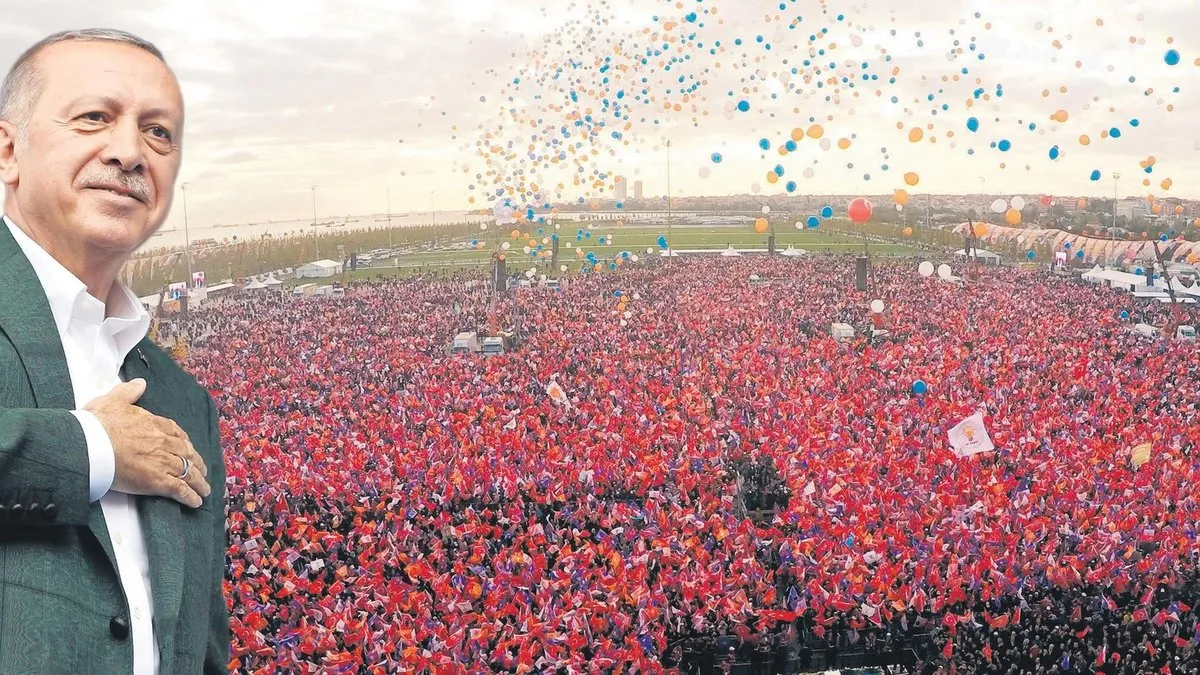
[8,154]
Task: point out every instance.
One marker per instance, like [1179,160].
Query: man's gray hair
[24,84]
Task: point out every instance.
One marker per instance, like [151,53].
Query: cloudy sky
[359,97]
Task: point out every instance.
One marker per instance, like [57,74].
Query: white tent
[319,269]
[730,252]
[254,285]
[669,253]
[981,254]
[1115,278]
[792,251]
[271,282]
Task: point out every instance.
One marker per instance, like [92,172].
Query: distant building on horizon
[622,188]
[637,189]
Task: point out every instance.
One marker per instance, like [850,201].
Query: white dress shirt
[96,347]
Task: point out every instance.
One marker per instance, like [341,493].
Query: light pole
[1112,230]
[316,242]
[433,206]
[187,237]
[983,196]
[670,215]
[389,216]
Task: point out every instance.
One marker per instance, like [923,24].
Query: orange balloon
[816,131]
[900,197]
[908,231]
[797,134]
[843,143]
[772,178]
[761,225]
[981,229]
[1082,204]
[915,134]
[1084,140]
[1012,217]
[1059,116]
[912,178]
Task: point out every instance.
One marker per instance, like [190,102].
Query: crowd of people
[580,504]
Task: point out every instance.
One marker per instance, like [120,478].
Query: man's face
[97,164]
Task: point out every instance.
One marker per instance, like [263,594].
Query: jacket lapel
[26,319]
[162,520]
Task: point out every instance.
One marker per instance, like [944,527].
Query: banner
[970,437]
[197,279]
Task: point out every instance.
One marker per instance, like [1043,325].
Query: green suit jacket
[62,609]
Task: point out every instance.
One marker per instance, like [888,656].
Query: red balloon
[859,210]
[1046,200]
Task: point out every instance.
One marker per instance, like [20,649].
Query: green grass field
[633,239]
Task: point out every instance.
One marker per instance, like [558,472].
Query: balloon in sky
[859,210]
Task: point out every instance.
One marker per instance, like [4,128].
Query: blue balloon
[1138,270]
[662,241]
[1078,254]
[1031,255]
[1066,244]
[1124,314]
[814,221]
[827,212]
[919,387]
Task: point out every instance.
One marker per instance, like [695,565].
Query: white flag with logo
[970,437]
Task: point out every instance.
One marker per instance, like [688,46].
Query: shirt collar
[70,302]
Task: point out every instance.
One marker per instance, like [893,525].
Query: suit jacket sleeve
[43,461]
[216,655]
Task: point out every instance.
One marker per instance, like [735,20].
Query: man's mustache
[130,184]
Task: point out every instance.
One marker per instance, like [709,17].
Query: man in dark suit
[112,521]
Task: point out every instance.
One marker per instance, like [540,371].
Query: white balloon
[999,206]
[506,246]
[925,269]
[755,188]
[705,172]
[766,210]
[944,271]
[809,173]
[799,225]
[899,207]
[562,268]
[876,306]
[634,258]
[826,144]
[1017,203]
[856,40]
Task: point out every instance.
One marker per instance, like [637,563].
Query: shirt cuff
[102,460]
